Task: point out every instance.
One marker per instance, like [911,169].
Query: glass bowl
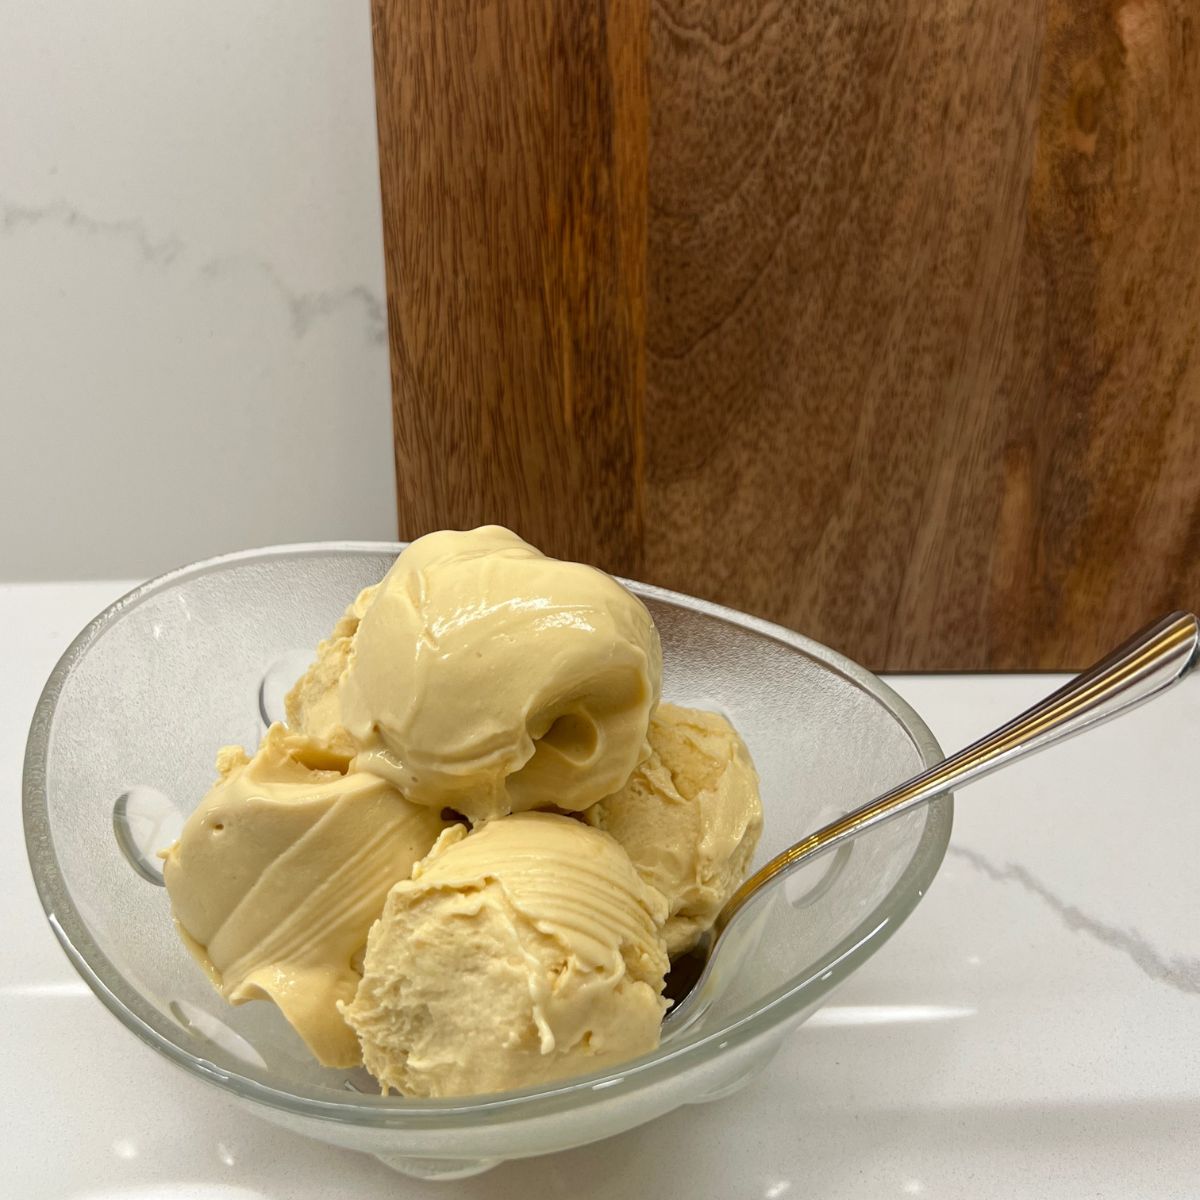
[122,748]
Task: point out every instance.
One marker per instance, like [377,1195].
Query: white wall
[192,328]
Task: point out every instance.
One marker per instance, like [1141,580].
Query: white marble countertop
[1033,1031]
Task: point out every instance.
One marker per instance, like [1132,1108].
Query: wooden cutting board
[876,320]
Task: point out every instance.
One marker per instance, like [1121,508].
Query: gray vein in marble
[305,309]
[1180,973]
[14,216]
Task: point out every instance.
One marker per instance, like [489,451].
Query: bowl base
[438,1168]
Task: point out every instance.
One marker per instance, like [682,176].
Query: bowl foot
[438,1168]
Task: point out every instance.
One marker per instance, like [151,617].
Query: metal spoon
[1146,665]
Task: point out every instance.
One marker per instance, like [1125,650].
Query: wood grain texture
[513,161]
[922,299]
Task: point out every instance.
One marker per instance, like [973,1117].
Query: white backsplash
[193,350]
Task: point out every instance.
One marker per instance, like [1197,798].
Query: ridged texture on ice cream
[689,817]
[523,952]
[313,705]
[489,678]
[279,873]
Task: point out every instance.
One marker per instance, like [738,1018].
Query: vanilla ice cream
[689,818]
[280,872]
[488,678]
[522,952]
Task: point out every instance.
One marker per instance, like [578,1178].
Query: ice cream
[689,818]
[280,872]
[520,953]
[488,678]
[327,872]
[313,706]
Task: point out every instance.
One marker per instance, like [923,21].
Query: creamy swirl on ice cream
[279,873]
[522,952]
[491,679]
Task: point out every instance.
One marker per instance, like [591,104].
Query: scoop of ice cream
[689,817]
[523,952]
[491,679]
[279,873]
[313,706]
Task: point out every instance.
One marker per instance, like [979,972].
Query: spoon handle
[1151,661]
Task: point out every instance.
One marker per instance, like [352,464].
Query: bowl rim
[369,1111]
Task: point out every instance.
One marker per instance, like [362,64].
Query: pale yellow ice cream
[279,873]
[523,952]
[313,705]
[488,678]
[479,676]
[689,818]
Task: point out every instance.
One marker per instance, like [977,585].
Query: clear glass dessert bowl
[122,747]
